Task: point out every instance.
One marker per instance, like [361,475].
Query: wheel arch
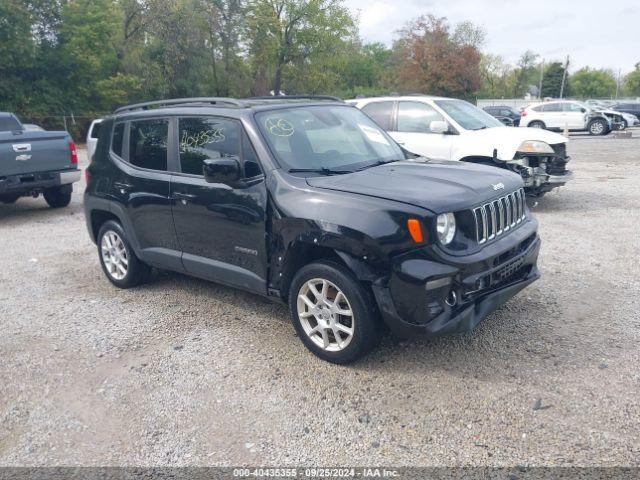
[97,218]
[301,253]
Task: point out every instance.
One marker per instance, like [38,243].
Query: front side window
[573,107]
[8,124]
[468,116]
[380,112]
[334,137]
[206,138]
[416,117]
[148,144]
[117,139]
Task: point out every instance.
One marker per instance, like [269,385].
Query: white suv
[449,129]
[561,114]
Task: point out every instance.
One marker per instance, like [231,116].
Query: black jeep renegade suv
[307,200]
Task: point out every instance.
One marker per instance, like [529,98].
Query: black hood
[439,186]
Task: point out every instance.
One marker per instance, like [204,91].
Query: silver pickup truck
[36,162]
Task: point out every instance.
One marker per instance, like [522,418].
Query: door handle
[183,197]
[122,187]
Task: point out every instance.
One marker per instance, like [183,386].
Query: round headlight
[446,227]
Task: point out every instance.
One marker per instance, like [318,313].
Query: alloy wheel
[597,128]
[325,314]
[114,255]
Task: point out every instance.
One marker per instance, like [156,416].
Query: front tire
[117,258]
[598,127]
[333,313]
[58,197]
[537,124]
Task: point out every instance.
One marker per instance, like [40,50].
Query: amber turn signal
[415,230]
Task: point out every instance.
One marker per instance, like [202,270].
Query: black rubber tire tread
[367,324]
[58,197]
[138,272]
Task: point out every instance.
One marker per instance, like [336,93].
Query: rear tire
[117,258]
[537,124]
[9,198]
[333,313]
[58,197]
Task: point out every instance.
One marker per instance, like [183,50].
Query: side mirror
[583,110]
[222,170]
[439,126]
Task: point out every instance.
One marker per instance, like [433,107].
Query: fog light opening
[452,299]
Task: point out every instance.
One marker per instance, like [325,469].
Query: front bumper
[413,303]
[541,172]
[29,183]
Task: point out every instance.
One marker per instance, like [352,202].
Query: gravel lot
[184,372]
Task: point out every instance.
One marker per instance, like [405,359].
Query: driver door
[574,115]
[412,131]
[220,230]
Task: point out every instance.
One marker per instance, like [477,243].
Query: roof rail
[195,102]
[298,97]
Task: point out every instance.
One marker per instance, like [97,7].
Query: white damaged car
[449,129]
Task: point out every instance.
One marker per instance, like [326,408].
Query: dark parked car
[507,115]
[308,201]
[632,108]
[34,162]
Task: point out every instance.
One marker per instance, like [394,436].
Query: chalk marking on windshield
[279,127]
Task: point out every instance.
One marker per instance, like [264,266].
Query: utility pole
[541,78]
[564,77]
[618,82]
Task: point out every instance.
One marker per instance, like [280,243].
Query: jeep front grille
[497,217]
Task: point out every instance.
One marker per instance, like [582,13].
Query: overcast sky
[602,34]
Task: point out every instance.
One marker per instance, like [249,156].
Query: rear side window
[381,113]
[203,138]
[552,107]
[148,144]
[9,124]
[416,117]
[95,131]
[117,139]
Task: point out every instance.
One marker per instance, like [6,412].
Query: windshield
[326,137]
[468,116]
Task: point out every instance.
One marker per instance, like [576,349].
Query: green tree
[17,55]
[552,81]
[632,82]
[293,38]
[496,77]
[592,83]
[526,73]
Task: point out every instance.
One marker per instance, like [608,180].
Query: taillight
[523,113]
[73,154]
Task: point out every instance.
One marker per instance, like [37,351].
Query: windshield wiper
[479,128]
[378,163]
[323,170]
